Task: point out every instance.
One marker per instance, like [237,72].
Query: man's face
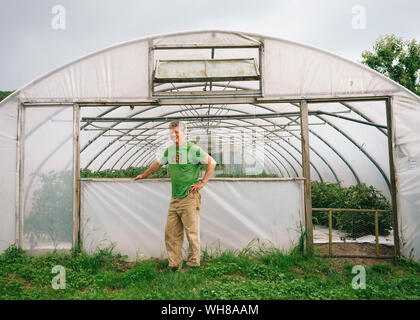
[177,135]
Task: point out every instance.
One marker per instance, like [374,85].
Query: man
[184,159]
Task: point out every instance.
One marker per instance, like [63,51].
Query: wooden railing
[330,212]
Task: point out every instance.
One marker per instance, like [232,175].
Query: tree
[396,58]
[4,94]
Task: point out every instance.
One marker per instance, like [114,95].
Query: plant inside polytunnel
[131,172]
[50,217]
[360,196]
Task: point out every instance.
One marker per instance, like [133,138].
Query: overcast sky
[30,46]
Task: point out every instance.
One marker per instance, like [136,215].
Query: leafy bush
[13,254]
[130,172]
[361,196]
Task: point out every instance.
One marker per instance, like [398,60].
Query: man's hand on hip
[196,187]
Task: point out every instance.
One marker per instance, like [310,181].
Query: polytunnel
[258,104]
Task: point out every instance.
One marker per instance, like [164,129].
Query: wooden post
[209,142]
[76,176]
[232,168]
[242,153]
[330,232]
[19,213]
[392,176]
[376,233]
[306,171]
[260,66]
[150,66]
[221,153]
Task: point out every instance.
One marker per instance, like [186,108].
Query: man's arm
[153,168]
[211,164]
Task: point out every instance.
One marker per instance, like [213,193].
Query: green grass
[262,273]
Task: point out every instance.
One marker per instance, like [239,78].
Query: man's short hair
[177,123]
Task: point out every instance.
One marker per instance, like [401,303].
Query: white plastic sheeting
[119,73]
[297,71]
[289,70]
[233,213]
[8,166]
[407,166]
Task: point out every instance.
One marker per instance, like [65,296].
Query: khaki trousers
[183,213]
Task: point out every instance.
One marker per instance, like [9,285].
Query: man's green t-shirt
[184,166]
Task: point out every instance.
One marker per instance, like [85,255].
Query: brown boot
[187,268]
[173,269]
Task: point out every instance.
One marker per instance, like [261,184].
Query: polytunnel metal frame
[304,128]
[368,122]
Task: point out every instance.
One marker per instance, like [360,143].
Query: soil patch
[357,249]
